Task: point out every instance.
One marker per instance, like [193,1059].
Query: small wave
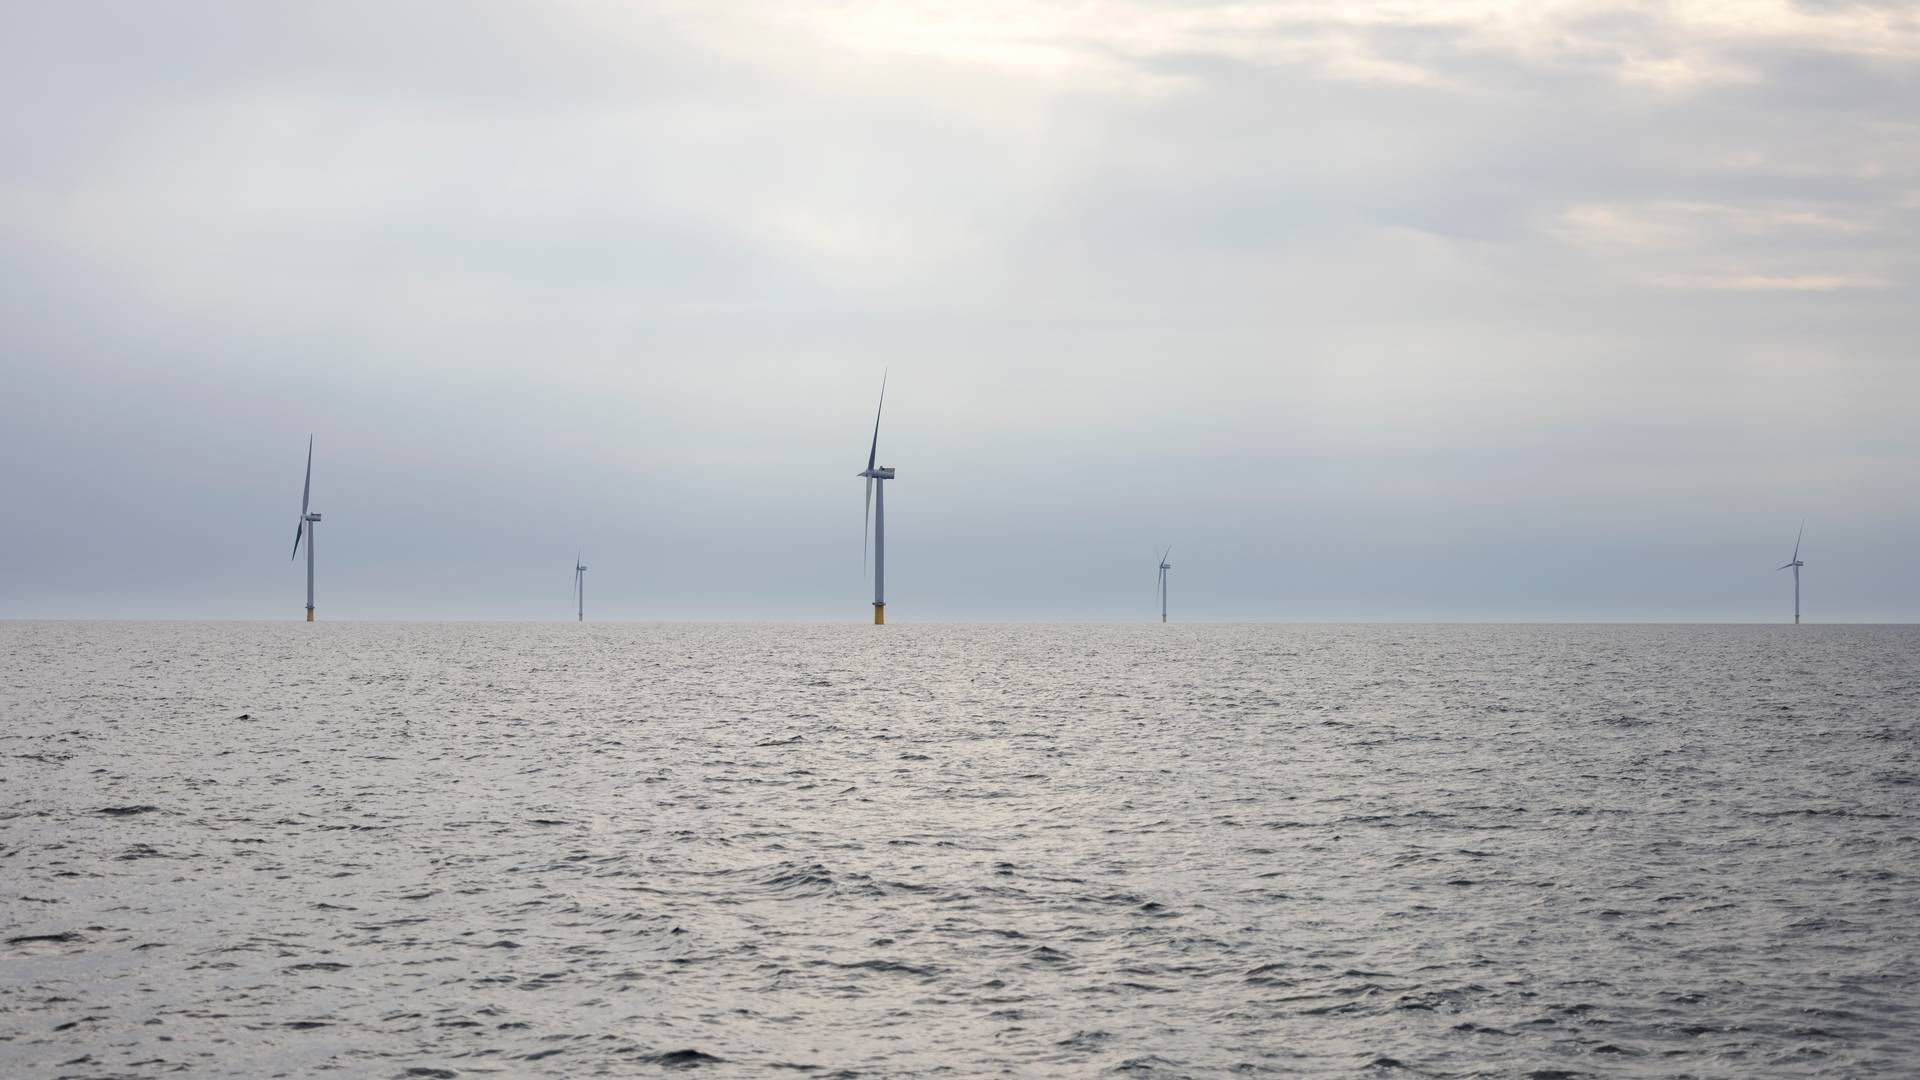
[684,1059]
[60,938]
[885,966]
[1148,1065]
[1086,1040]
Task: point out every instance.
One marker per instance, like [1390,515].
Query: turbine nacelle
[311,517]
[885,472]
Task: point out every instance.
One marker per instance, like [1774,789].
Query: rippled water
[531,850]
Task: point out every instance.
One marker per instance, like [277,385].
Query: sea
[234,849]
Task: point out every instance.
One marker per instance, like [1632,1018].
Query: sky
[1372,310]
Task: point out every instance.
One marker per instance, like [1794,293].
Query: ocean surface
[257,849]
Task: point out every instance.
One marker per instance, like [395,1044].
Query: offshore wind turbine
[579,589]
[1795,564]
[1164,567]
[877,477]
[307,522]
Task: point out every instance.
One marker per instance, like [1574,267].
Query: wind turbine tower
[1164,567]
[1795,564]
[305,528]
[579,590]
[877,477]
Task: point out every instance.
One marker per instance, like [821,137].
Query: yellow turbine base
[309,614]
[879,614]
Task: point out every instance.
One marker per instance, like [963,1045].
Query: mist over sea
[247,849]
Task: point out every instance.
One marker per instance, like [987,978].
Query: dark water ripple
[454,850]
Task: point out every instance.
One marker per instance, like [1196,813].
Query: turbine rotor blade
[873,455]
[1796,539]
[873,451]
[306,491]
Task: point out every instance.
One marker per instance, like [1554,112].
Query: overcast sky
[1371,309]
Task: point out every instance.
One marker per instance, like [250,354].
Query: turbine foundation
[879,613]
[309,614]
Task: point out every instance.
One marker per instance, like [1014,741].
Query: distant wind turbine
[1795,564]
[877,478]
[579,590]
[1164,567]
[307,522]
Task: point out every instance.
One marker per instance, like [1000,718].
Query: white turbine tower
[877,477]
[1164,567]
[579,590]
[307,522]
[1795,564]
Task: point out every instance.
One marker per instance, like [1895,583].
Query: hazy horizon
[1034,621]
[1570,314]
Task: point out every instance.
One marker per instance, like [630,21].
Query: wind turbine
[1795,564]
[579,589]
[1164,567]
[307,522]
[877,512]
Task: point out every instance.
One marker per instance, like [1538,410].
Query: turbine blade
[1789,566]
[873,451]
[306,490]
[1796,539]
[866,525]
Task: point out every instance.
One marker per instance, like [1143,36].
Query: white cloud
[1670,47]
[1748,281]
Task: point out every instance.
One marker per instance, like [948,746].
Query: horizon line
[1011,621]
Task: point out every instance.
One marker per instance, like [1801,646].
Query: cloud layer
[1373,310]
